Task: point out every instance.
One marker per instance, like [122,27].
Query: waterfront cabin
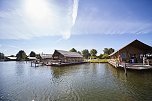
[67,57]
[46,58]
[135,52]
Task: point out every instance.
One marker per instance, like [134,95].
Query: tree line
[2,56]
[21,55]
[93,53]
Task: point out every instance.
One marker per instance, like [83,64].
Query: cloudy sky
[45,25]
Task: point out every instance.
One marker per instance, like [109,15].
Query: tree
[12,56]
[108,51]
[111,50]
[79,52]
[93,52]
[85,53]
[100,56]
[1,56]
[32,54]
[21,55]
[73,50]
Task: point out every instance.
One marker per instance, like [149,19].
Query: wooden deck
[65,64]
[138,66]
[57,64]
[131,66]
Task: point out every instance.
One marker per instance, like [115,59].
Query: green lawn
[98,60]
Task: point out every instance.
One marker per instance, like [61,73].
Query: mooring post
[125,69]
[31,63]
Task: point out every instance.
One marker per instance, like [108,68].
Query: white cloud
[95,19]
[75,11]
[67,33]
[23,23]
[112,27]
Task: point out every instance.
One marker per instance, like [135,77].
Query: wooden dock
[65,64]
[131,66]
[57,64]
[36,63]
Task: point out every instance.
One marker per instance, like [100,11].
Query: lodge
[136,55]
[46,57]
[67,57]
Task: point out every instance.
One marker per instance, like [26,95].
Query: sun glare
[38,10]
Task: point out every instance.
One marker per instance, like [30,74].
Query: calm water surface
[86,82]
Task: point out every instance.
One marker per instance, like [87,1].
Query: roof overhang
[138,45]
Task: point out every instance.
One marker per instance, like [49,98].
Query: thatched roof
[138,45]
[69,54]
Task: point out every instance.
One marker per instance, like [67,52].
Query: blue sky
[45,25]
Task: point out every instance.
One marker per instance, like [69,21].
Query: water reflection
[118,73]
[19,68]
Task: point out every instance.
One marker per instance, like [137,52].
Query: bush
[105,56]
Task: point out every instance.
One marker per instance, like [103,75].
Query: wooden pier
[66,64]
[36,63]
[131,66]
[53,63]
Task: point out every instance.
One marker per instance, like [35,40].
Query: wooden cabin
[67,57]
[46,58]
[135,52]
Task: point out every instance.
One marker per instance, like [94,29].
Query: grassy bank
[98,60]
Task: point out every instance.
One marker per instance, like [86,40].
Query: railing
[114,62]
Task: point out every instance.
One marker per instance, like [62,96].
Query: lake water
[86,82]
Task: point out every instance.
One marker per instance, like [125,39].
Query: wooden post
[31,63]
[148,61]
[116,64]
[125,69]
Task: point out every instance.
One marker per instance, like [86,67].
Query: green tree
[105,56]
[12,56]
[1,56]
[21,55]
[93,52]
[108,50]
[111,50]
[32,54]
[85,53]
[73,50]
[79,52]
[100,56]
